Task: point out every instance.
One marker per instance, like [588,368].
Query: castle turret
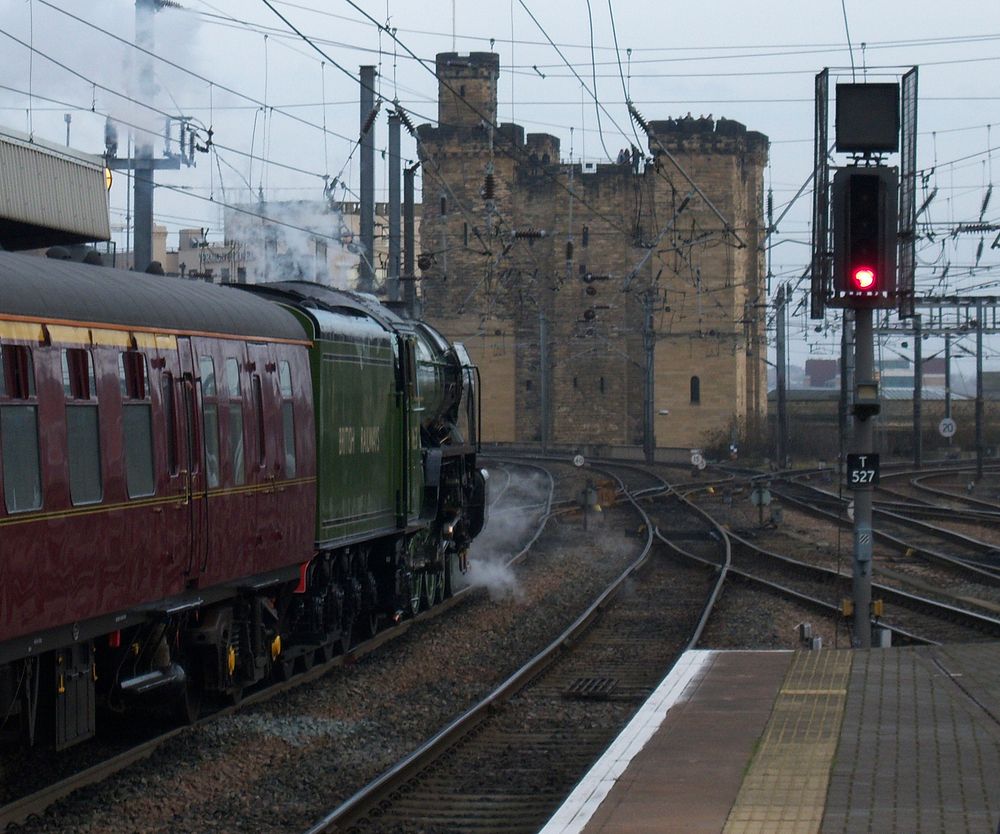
[467,88]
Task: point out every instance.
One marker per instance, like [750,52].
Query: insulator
[371,118]
[637,117]
[489,187]
[424,261]
[405,119]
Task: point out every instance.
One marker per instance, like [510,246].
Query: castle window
[695,391]
[461,91]
[586,235]
[527,385]
[602,384]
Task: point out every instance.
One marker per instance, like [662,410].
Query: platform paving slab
[920,744]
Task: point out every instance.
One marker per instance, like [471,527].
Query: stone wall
[528,246]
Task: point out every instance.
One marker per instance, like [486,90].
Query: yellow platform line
[784,790]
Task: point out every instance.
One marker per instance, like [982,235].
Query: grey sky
[750,62]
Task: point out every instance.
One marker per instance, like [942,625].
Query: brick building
[563,279]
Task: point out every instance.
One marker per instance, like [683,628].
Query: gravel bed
[280,766]
[748,618]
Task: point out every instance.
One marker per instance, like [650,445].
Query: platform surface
[834,741]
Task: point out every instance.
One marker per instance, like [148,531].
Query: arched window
[695,391]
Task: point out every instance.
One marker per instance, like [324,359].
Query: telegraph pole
[392,274]
[782,382]
[143,163]
[649,343]
[979,390]
[366,274]
[143,181]
[918,389]
[543,377]
[410,284]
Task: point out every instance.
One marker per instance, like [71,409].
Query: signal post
[864,218]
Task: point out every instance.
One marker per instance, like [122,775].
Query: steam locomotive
[202,487]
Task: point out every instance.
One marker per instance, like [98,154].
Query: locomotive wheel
[416,591]
[346,634]
[433,587]
[284,667]
[447,589]
[187,707]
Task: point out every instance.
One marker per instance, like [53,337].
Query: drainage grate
[594,689]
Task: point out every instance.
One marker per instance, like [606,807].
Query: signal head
[863,278]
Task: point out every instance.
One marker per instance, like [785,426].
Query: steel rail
[989,506]
[984,576]
[355,806]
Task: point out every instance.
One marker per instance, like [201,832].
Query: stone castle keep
[563,280]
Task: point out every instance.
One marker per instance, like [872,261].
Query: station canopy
[49,195]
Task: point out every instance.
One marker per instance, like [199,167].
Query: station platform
[887,740]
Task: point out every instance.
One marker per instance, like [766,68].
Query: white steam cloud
[516,505]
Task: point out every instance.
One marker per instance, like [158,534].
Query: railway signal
[864,237]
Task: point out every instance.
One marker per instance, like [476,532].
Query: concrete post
[366,273]
[864,443]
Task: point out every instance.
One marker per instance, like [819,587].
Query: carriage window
[83,431]
[210,415]
[78,374]
[287,417]
[285,379]
[133,376]
[137,424]
[207,368]
[19,431]
[233,378]
[236,458]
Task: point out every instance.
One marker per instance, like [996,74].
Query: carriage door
[193,459]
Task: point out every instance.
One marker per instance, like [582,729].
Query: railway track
[98,767]
[966,559]
[966,499]
[508,763]
[912,618]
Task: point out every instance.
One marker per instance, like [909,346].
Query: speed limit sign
[947,427]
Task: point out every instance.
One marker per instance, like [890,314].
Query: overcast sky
[753,63]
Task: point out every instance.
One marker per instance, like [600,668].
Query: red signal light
[863,278]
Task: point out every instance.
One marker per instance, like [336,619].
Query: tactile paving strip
[784,791]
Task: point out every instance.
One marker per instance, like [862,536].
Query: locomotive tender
[203,486]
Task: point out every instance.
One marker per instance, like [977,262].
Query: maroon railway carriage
[157,487]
